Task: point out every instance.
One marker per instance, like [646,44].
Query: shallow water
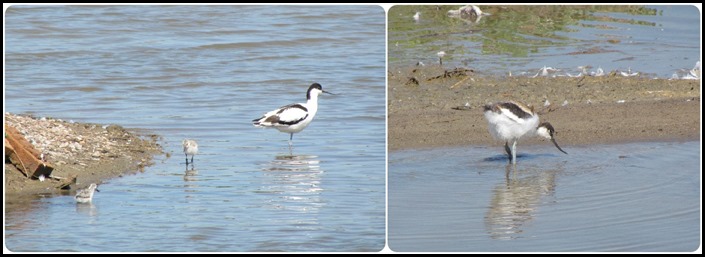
[656,41]
[638,197]
[204,72]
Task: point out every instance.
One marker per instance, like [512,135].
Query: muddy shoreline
[433,106]
[93,153]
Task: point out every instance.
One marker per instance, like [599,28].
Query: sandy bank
[434,107]
[92,152]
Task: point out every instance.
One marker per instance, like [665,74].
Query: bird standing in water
[511,121]
[86,195]
[190,148]
[293,118]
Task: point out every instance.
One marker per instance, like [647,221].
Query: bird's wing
[284,116]
[510,115]
[83,193]
[516,112]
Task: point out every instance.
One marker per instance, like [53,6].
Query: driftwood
[24,156]
[457,72]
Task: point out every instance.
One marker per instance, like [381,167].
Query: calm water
[642,197]
[205,72]
[657,41]
[629,197]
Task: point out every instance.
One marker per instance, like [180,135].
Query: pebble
[64,142]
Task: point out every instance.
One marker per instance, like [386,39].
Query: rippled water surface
[639,197]
[656,41]
[204,72]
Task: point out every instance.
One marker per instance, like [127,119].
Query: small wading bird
[511,121]
[440,57]
[293,118]
[86,195]
[190,148]
[469,12]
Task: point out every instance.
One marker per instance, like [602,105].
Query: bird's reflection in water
[515,200]
[304,163]
[87,209]
[191,175]
[190,179]
[294,183]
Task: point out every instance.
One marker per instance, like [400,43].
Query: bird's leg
[191,159]
[291,137]
[514,152]
[509,151]
[186,158]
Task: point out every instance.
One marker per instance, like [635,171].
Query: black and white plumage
[293,118]
[86,195]
[511,121]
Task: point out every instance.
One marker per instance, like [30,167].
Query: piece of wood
[24,156]
[8,147]
[65,183]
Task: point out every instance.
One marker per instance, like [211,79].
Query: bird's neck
[312,100]
[312,103]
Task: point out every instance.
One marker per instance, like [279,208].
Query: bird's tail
[257,122]
[261,122]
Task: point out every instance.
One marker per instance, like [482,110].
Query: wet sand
[431,106]
[93,153]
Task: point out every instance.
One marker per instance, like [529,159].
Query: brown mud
[93,153]
[430,106]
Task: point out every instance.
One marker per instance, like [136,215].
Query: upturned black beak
[556,144]
[327,92]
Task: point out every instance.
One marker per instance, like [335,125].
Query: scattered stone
[83,153]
